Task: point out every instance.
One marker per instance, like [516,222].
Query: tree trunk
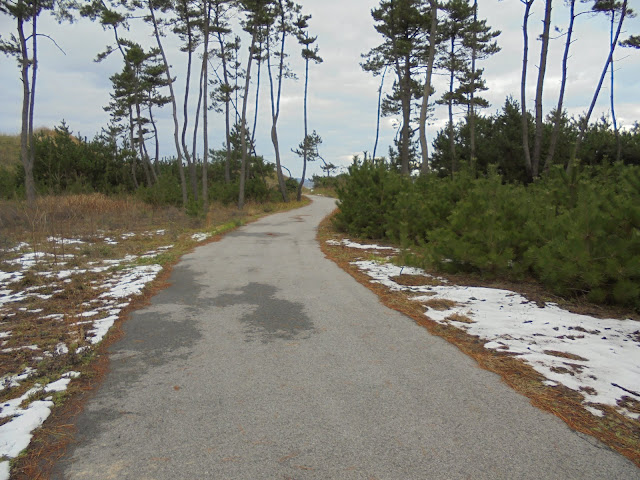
[472,113]
[585,121]
[255,115]
[452,141]
[375,145]
[306,131]
[563,84]
[205,111]
[544,51]
[611,92]
[25,147]
[227,101]
[523,91]
[243,123]
[424,146]
[134,166]
[156,160]
[406,117]
[176,127]
[275,112]
[190,161]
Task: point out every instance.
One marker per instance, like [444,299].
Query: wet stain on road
[272,318]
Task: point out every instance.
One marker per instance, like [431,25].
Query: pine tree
[403,25]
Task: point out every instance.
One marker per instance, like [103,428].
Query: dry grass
[615,430]
[440,304]
[91,218]
[458,317]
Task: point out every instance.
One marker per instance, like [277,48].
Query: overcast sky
[343,98]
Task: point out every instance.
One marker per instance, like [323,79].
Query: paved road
[264,360]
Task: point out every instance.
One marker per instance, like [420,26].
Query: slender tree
[542,68]
[153,7]
[187,29]
[523,88]
[309,146]
[24,48]
[428,88]
[584,121]
[257,16]
[283,15]
[557,118]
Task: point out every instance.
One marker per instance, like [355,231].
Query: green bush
[579,235]
[8,183]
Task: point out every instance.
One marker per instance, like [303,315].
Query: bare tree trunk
[196,121]
[424,146]
[406,117]
[205,112]
[611,92]
[563,84]
[190,161]
[275,111]
[243,122]
[452,140]
[32,93]
[25,145]
[134,166]
[375,145]
[144,158]
[227,101]
[585,121]
[156,160]
[544,51]
[176,127]
[523,90]
[255,115]
[472,113]
[306,130]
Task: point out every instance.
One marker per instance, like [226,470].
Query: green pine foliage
[579,235]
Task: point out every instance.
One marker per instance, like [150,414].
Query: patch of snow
[199,237]
[61,349]
[14,380]
[16,434]
[600,358]
[65,241]
[348,243]
[100,329]
[130,281]
[6,334]
[20,246]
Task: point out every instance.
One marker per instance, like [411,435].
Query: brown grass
[89,215]
[458,317]
[440,304]
[615,430]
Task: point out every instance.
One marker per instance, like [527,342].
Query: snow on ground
[599,358]
[120,280]
[348,243]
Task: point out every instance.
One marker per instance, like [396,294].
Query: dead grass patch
[458,317]
[569,356]
[615,430]
[132,224]
[440,304]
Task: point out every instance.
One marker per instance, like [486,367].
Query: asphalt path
[264,360]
